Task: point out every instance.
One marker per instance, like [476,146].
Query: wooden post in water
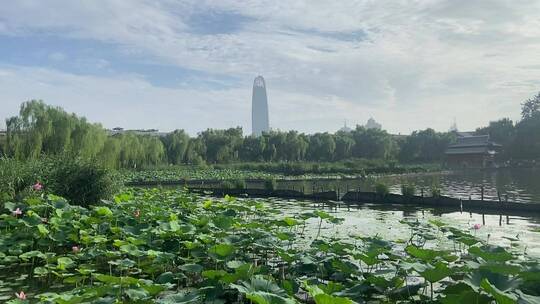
[422,191]
[507,219]
[482,192]
[499,196]
[483,219]
[500,220]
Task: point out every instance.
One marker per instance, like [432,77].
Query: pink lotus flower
[137,213]
[21,295]
[76,249]
[17,212]
[37,187]
[477,226]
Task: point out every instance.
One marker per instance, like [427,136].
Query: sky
[190,64]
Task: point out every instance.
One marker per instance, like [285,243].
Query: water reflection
[517,185]
[518,232]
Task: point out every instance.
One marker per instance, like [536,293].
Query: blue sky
[190,64]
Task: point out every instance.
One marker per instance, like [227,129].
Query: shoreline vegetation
[41,129]
[350,169]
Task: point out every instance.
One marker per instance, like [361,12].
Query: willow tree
[43,129]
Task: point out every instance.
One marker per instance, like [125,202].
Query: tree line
[43,129]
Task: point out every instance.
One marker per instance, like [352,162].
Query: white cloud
[410,64]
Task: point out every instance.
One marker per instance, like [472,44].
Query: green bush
[82,182]
[382,189]
[408,190]
[270,184]
[227,184]
[239,184]
[16,176]
[435,190]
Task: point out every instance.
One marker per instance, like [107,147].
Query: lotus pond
[187,173]
[170,246]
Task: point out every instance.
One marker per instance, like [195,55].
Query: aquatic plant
[408,190]
[435,190]
[186,248]
[270,184]
[239,183]
[381,189]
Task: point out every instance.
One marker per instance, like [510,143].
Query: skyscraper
[259,107]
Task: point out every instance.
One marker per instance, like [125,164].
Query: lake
[520,233]
[520,185]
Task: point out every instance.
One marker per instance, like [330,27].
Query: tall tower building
[259,107]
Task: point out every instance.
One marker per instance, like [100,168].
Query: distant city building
[153,132]
[472,152]
[259,107]
[345,129]
[372,124]
[453,127]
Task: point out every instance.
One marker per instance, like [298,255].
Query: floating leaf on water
[501,297]
[64,262]
[222,250]
[192,268]
[436,273]
[491,253]
[104,211]
[166,277]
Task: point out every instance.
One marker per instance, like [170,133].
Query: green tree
[527,140]
[321,147]
[253,148]
[344,145]
[373,143]
[196,151]
[530,107]
[424,146]
[502,132]
[176,144]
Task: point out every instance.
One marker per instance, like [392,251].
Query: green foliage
[408,190]
[42,129]
[381,189]
[435,190]
[16,176]
[82,182]
[527,139]
[530,107]
[227,184]
[424,146]
[184,248]
[270,184]
[239,183]
[176,144]
[502,132]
